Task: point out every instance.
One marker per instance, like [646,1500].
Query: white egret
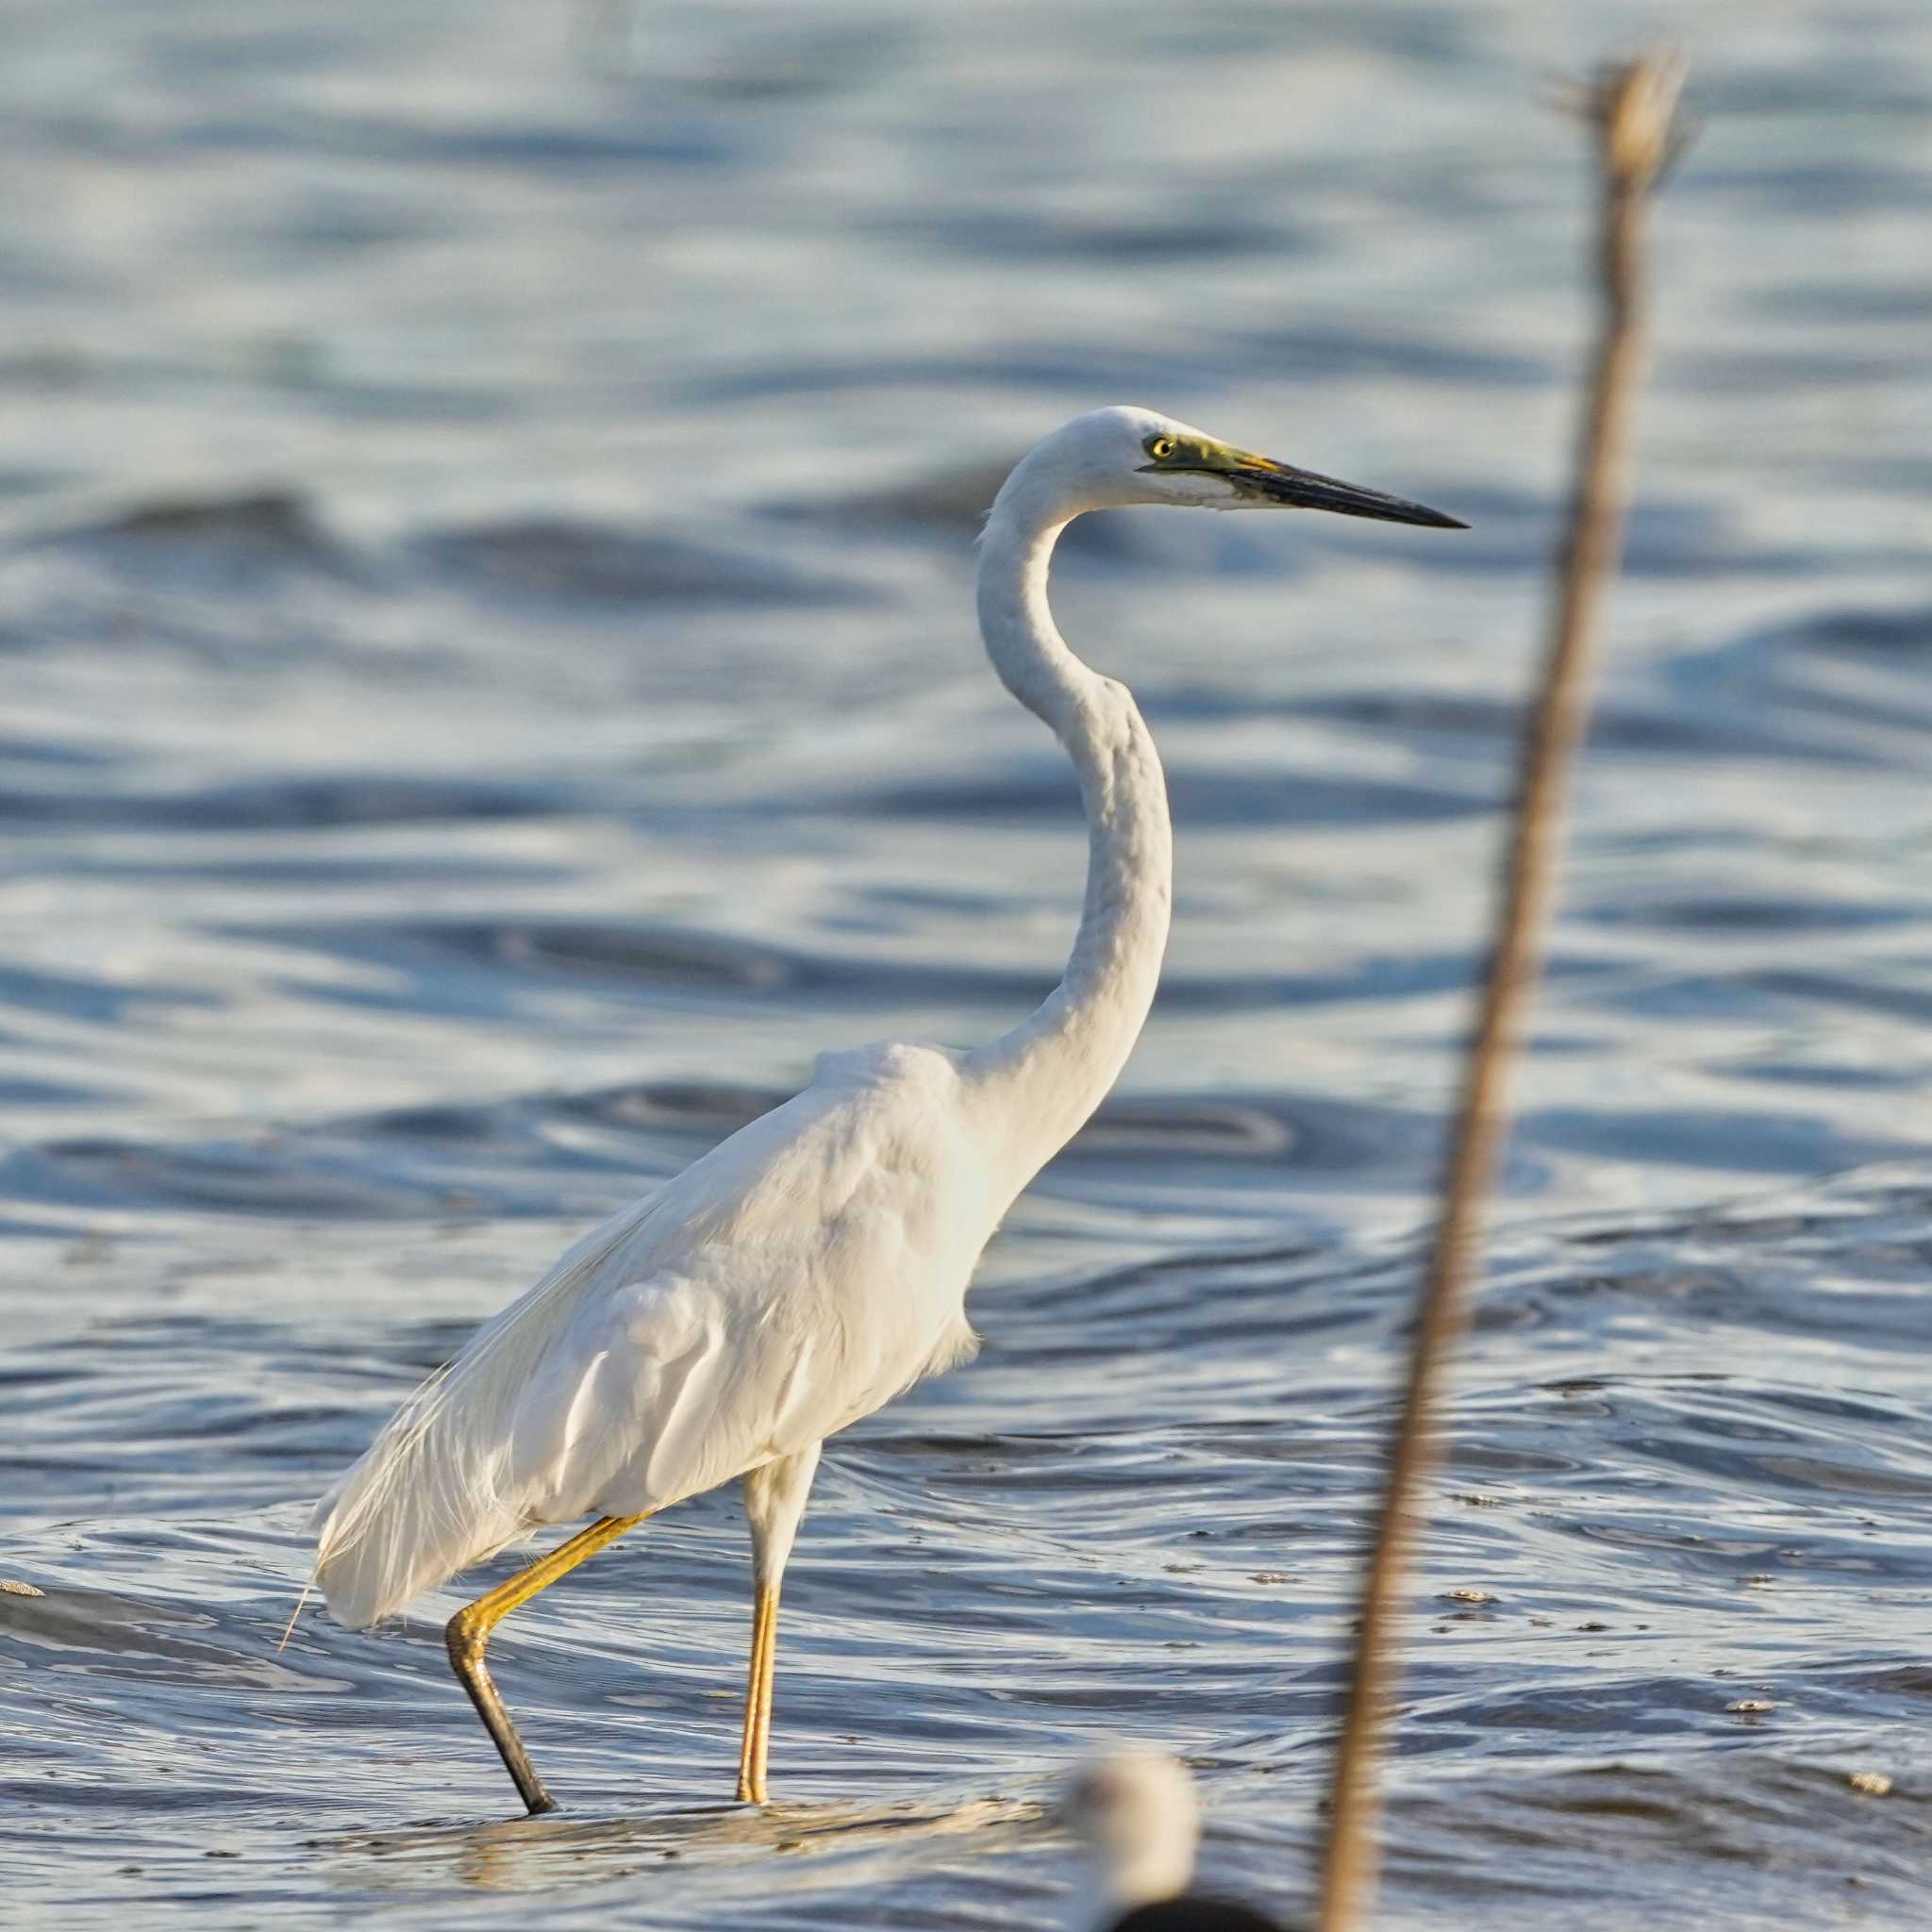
[815,1264]
[1136,1816]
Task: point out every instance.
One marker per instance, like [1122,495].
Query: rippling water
[484,598]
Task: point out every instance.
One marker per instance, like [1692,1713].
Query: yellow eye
[1160,448]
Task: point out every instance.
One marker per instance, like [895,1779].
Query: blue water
[485,566]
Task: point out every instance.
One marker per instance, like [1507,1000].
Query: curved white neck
[1041,1081]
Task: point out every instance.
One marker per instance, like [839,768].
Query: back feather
[435,1492]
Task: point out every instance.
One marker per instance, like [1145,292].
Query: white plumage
[815,1264]
[698,1334]
[1137,1817]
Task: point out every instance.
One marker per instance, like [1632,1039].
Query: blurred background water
[484,557]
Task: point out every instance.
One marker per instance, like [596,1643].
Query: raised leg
[468,1632]
[774,1502]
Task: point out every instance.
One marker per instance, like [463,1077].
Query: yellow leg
[756,1751]
[469,1630]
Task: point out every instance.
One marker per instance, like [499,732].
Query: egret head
[1114,457]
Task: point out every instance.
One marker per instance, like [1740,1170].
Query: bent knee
[464,1637]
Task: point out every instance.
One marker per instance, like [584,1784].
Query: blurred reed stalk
[1632,109]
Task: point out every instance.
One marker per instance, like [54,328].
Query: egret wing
[788,1282]
[430,1493]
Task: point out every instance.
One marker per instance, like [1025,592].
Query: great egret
[1136,1815]
[815,1264]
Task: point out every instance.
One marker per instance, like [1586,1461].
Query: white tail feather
[437,1490]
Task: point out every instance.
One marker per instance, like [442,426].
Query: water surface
[484,557]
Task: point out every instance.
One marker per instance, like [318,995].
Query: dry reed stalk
[1633,111]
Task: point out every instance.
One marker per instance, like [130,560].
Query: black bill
[1305,490]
